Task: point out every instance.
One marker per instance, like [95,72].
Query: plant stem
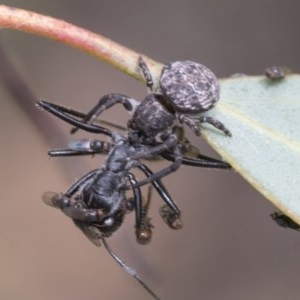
[94,44]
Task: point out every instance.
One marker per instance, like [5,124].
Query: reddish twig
[103,48]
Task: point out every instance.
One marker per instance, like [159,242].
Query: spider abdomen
[189,86]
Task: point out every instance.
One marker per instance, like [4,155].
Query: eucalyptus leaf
[264,119]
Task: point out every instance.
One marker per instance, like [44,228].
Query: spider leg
[216,123]
[194,123]
[105,103]
[146,73]
[65,115]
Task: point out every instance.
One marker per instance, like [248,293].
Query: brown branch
[103,48]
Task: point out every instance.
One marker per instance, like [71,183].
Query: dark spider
[97,202]
[186,90]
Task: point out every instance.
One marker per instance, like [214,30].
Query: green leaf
[264,119]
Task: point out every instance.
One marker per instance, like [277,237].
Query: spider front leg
[146,73]
[105,103]
[193,123]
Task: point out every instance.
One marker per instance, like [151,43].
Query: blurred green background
[229,247]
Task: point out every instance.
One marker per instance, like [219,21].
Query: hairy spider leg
[105,103]
[146,73]
[193,123]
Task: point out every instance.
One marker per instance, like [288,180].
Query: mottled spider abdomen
[190,87]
